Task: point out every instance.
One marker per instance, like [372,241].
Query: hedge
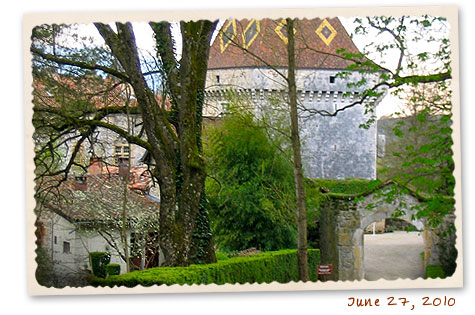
[113,269]
[280,266]
[99,261]
[435,271]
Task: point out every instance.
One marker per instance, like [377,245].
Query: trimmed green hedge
[435,271]
[99,261]
[280,266]
[113,270]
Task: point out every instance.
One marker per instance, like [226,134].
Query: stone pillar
[328,237]
[440,245]
[339,220]
[349,248]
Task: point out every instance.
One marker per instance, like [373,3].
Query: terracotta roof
[315,40]
[101,198]
[139,177]
[95,91]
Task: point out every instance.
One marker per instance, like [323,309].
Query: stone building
[248,60]
[80,213]
[86,216]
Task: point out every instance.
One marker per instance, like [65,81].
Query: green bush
[113,269]
[250,187]
[99,261]
[44,272]
[435,271]
[280,266]
[221,256]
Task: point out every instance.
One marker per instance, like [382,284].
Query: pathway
[393,255]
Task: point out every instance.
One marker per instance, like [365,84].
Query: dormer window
[80,157]
[121,150]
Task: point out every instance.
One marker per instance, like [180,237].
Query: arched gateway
[345,217]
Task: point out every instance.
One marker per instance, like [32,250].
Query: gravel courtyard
[393,255]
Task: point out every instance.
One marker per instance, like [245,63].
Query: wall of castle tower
[266,78]
[336,146]
[332,147]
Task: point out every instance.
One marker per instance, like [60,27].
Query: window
[217,79]
[121,151]
[79,158]
[66,247]
[332,79]
[56,240]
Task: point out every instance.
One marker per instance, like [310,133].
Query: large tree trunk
[180,169]
[297,159]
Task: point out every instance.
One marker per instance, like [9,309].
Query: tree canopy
[68,83]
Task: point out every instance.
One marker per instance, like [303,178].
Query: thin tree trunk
[297,159]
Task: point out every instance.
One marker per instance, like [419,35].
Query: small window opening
[66,247]
[121,151]
[332,79]
[218,79]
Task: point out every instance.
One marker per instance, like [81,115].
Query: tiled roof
[102,199]
[95,92]
[316,44]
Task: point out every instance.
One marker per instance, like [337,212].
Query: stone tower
[243,61]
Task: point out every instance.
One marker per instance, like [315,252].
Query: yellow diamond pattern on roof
[227,35]
[250,33]
[326,32]
[281,31]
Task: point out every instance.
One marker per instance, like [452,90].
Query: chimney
[80,183]
[124,168]
[95,166]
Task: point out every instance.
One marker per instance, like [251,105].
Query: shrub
[113,269]
[250,187]
[99,261]
[280,266]
[435,271]
[44,271]
[221,256]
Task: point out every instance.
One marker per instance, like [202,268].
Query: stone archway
[382,210]
[342,224]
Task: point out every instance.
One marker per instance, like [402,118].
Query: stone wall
[441,246]
[336,147]
[266,78]
[70,268]
[332,146]
[339,219]
[342,226]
